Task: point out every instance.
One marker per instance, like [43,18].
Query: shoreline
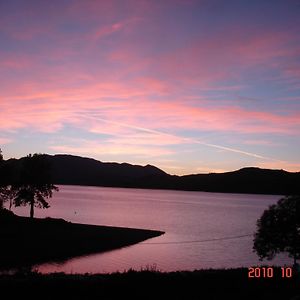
[168,189]
[26,242]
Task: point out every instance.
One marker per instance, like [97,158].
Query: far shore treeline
[75,170]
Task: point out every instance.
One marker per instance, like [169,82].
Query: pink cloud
[119,76]
[201,62]
[17,62]
[107,10]
[99,148]
[260,142]
[4,140]
[142,138]
[106,30]
[224,57]
[154,86]
[72,93]
[206,63]
[49,109]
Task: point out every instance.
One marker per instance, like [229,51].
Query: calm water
[191,220]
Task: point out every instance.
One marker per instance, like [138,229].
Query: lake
[203,230]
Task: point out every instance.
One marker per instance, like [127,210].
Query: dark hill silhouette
[75,170]
[68,169]
[246,180]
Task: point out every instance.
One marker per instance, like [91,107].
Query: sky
[188,86]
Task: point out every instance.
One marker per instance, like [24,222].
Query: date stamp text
[269,272]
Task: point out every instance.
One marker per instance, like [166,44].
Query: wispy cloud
[52,109]
[189,140]
[153,74]
[102,148]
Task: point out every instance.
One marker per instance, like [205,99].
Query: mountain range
[75,170]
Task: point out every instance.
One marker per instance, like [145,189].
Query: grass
[151,284]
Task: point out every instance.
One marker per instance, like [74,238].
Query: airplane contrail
[192,140]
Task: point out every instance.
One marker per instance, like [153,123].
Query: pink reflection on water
[184,216]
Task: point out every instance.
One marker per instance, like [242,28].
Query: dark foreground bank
[26,241]
[203,284]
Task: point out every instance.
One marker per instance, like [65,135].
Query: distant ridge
[76,170]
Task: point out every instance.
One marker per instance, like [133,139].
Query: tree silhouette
[3,186]
[34,185]
[7,191]
[278,229]
[1,181]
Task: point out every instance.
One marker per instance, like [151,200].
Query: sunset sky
[188,86]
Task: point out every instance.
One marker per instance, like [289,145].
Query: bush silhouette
[278,229]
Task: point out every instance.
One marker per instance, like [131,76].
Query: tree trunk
[31,208]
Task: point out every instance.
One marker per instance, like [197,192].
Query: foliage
[278,229]
[34,185]
[2,199]
[2,187]
[7,193]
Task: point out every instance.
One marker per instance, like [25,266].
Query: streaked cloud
[153,79]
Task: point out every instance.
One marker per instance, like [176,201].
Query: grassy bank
[202,284]
[26,241]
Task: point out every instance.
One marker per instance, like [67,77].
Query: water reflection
[184,216]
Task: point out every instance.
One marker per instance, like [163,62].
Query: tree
[278,230]
[34,185]
[2,186]
[7,192]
